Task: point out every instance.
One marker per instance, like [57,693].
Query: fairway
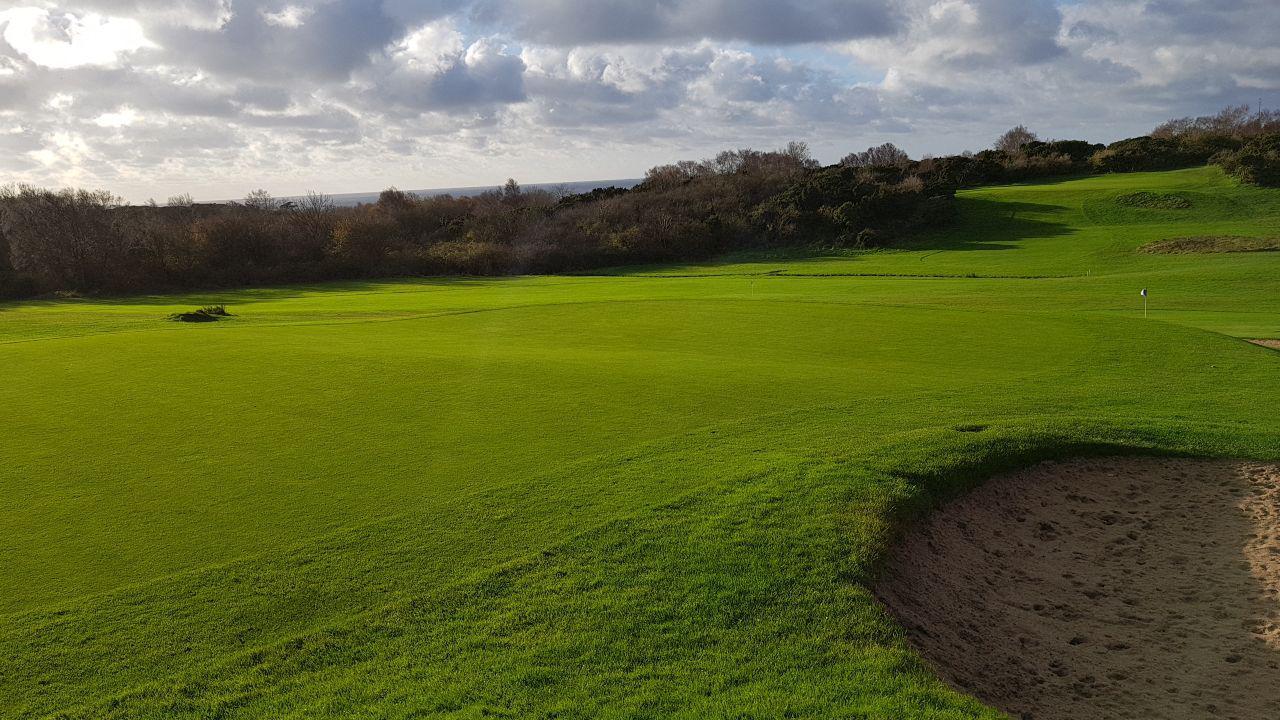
[647,492]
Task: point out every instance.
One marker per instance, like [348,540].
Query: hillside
[650,492]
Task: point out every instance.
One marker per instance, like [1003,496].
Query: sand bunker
[1109,588]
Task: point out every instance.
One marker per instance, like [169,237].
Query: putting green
[646,492]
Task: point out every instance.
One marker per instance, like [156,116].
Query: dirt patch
[1110,588]
[1273,344]
[1212,244]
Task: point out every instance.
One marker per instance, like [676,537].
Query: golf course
[645,492]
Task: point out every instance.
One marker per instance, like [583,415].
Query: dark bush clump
[195,316]
[851,207]
[208,313]
[1145,154]
[1256,162]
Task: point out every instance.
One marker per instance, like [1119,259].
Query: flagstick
[1144,306]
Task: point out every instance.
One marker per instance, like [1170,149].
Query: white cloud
[60,101]
[123,117]
[152,97]
[291,16]
[65,40]
[430,48]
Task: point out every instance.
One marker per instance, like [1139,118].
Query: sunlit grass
[643,494]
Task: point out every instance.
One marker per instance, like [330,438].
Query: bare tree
[180,200]
[66,237]
[799,152]
[261,200]
[1237,121]
[314,202]
[1014,138]
[886,155]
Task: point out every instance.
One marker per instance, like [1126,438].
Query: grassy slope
[633,496]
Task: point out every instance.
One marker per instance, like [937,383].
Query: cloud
[159,96]
[954,37]
[325,41]
[591,22]
[434,70]
[66,40]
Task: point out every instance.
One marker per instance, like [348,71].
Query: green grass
[650,492]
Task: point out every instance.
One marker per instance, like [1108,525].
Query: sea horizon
[574,186]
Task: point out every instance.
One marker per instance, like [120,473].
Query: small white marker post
[1144,302]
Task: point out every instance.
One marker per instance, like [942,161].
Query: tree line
[91,241]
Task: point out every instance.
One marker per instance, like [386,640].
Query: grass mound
[1212,244]
[208,313]
[1154,201]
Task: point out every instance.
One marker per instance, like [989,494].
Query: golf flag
[1144,292]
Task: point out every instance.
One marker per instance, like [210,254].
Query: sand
[1107,588]
[1273,344]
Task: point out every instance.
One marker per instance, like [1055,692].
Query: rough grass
[208,313]
[1155,201]
[654,494]
[1213,244]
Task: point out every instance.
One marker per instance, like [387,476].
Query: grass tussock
[208,313]
[1212,244]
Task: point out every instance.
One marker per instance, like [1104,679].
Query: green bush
[1257,162]
[1145,154]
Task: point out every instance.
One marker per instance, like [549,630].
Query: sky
[152,98]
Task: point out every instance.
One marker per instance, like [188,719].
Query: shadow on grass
[982,224]
[229,296]
[993,225]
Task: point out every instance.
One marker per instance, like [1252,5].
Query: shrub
[470,258]
[17,285]
[363,238]
[886,155]
[64,238]
[1257,162]
[690,210]
[837,204]
[1145,153]
[231,245]
[208,313]
[1077,151]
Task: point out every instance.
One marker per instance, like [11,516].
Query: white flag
[1144,292]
